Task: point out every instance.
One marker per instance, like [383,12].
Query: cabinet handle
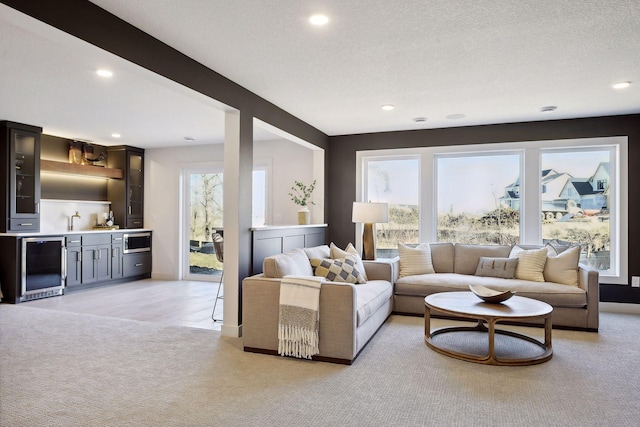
[139,264]
[26,224]
[129,209]
[74,241]
[78,256]
[38,207]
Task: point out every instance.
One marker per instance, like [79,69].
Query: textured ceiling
[493,61]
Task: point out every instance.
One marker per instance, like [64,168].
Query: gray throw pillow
[504,268]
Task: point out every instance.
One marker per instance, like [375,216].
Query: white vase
[304,216]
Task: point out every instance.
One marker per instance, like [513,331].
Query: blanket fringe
[297,342]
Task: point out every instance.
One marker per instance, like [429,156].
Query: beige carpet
[66,369]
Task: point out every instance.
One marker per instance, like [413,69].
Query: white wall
[289,162]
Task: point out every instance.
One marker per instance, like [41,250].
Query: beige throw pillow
[350,250]
[530,263]
[415,260]
[563,268]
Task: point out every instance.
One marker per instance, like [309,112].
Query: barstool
[218,246]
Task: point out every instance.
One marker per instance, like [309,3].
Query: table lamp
[369,214]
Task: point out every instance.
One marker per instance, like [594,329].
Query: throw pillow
[415,260]
[563,268]
[504,268]
[530,263]
[350,250]
[338,270]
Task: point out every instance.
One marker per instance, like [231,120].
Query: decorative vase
[304,216]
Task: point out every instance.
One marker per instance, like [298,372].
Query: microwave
[137,242]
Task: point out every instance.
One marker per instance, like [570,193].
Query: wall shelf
[84,170]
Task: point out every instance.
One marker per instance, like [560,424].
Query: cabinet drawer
[117,238]
[73,241]
[134,223]
[24,224]
[137,264]
[96,239]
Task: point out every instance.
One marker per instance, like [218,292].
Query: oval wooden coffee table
[468,306]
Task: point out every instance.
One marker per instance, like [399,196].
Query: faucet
[76,215]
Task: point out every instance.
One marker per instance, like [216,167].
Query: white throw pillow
[415,260]
[530,263]
[563,268]
[350,250]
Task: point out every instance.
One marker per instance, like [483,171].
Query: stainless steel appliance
[137,242]
[43,267]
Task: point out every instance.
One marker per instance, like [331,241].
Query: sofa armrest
[589,280]
[381,269]
[338,316]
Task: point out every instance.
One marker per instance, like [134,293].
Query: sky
[468,184]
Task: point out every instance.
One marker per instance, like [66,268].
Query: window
[576,207]
[561,191]
[478,198]
[203,216]
[395,181]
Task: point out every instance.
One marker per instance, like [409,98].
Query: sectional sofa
[351,313]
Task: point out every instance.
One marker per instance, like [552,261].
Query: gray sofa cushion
[555,294]
[468,256]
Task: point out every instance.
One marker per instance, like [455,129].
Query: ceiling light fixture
[456,116]
[319,19]
[420,119]
[548,109]
[621,85]
[189,138]
[115,135]
[104,73]
[388,107]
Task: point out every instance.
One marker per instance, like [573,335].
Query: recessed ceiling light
[115,135]
[456,116]
[189,138]
[621,85]
[104,73]
[420,119]
[319,19]
[388,107]
[548,109]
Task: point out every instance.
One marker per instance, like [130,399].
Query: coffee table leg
[427,322]
[491,323]
[547,333]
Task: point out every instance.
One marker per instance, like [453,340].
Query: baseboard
[619,307]
[163,276]
[231,331]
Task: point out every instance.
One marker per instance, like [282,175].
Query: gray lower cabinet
[117,259]
[138,264]
[100,257]
[74,260]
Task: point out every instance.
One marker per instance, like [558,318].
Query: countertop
[69,232]
[279,227]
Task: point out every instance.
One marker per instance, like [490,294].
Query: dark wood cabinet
[20,168]
[127,194]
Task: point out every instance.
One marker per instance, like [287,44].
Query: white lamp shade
[370,213]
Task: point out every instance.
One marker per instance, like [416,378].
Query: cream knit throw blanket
[299,316]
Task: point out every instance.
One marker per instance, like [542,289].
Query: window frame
[531,230]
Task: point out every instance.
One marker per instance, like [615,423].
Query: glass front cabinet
[20,165]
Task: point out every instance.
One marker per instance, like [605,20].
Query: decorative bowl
[490,295]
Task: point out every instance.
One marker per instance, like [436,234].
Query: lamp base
[368,243]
